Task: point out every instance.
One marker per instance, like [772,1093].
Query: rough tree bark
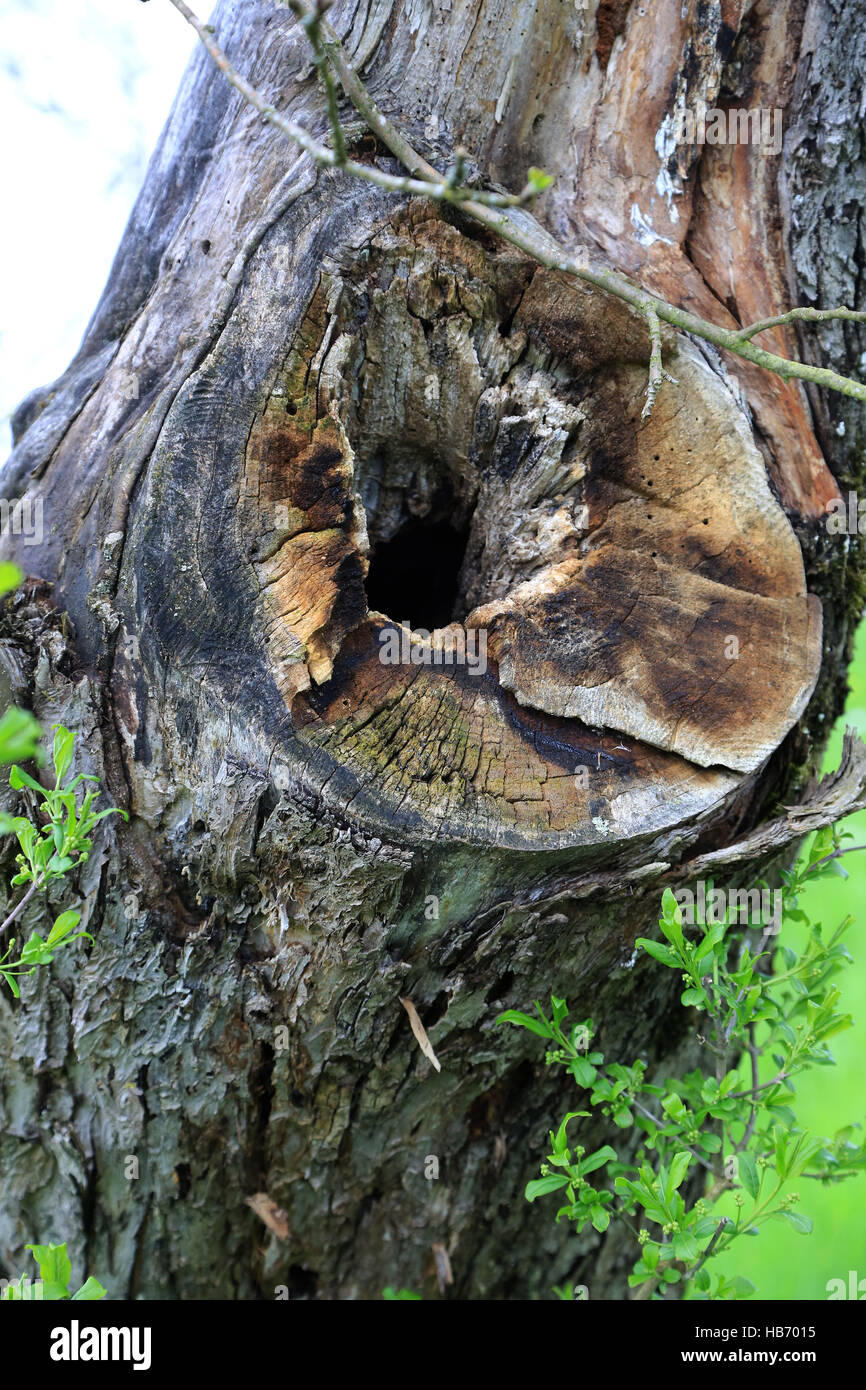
[297,393]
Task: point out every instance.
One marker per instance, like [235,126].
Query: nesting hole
[414,576]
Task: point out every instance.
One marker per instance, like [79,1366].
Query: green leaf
[781,1143]
[525,1021]
[751,1001]
[10,577]
[91,1291]
[19,735]
[802,1154]
[685,1247]
[538,179]
[705,1226]
[658,952]
[112,811]
[64,743]
[559,1139]
[36,952]
[595,1160]
[583,1071]
[698,997]
[679,1168]
[670,906]
[540,1187]
[710,941]
[55,1266]
[559,1008]
[802,1224]
[600,1218]
[19,779]
[749,1176]
[783,1113]
[54,1292]
[59,864]
[63,925]
[671,919]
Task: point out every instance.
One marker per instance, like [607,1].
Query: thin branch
[714,1239]
[800,316]
[657,373]
[752,1091]
[324,155]
[837,854]
[19,907]
[457,173]
[721,1185]
[753,1109]
[504,214]
[830,1175]
[529,236]
[311,22]
[453,188]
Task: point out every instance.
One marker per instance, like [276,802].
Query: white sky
[85,87]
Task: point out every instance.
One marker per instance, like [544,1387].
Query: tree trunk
[305,412]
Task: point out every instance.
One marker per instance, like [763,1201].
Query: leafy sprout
[55,1272]
[695,1138]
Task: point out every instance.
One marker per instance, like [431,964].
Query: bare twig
[335,158]
[322,154]
[753,1091]
[714,1240]
[753,1108]
[311,22]
[506,215]
[800,316]
[19,907]
[657,373]
[529,236]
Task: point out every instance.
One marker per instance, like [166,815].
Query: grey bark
[237,1026]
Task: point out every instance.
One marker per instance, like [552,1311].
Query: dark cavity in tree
[415,576]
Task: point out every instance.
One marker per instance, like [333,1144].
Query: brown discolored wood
[682,618]
[315,835]
[612,562]
[700,222]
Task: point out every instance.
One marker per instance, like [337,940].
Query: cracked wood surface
[286,370]
[428,367]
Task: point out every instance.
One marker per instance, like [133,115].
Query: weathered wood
[288,373]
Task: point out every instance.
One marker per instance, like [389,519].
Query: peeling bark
[289,375]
